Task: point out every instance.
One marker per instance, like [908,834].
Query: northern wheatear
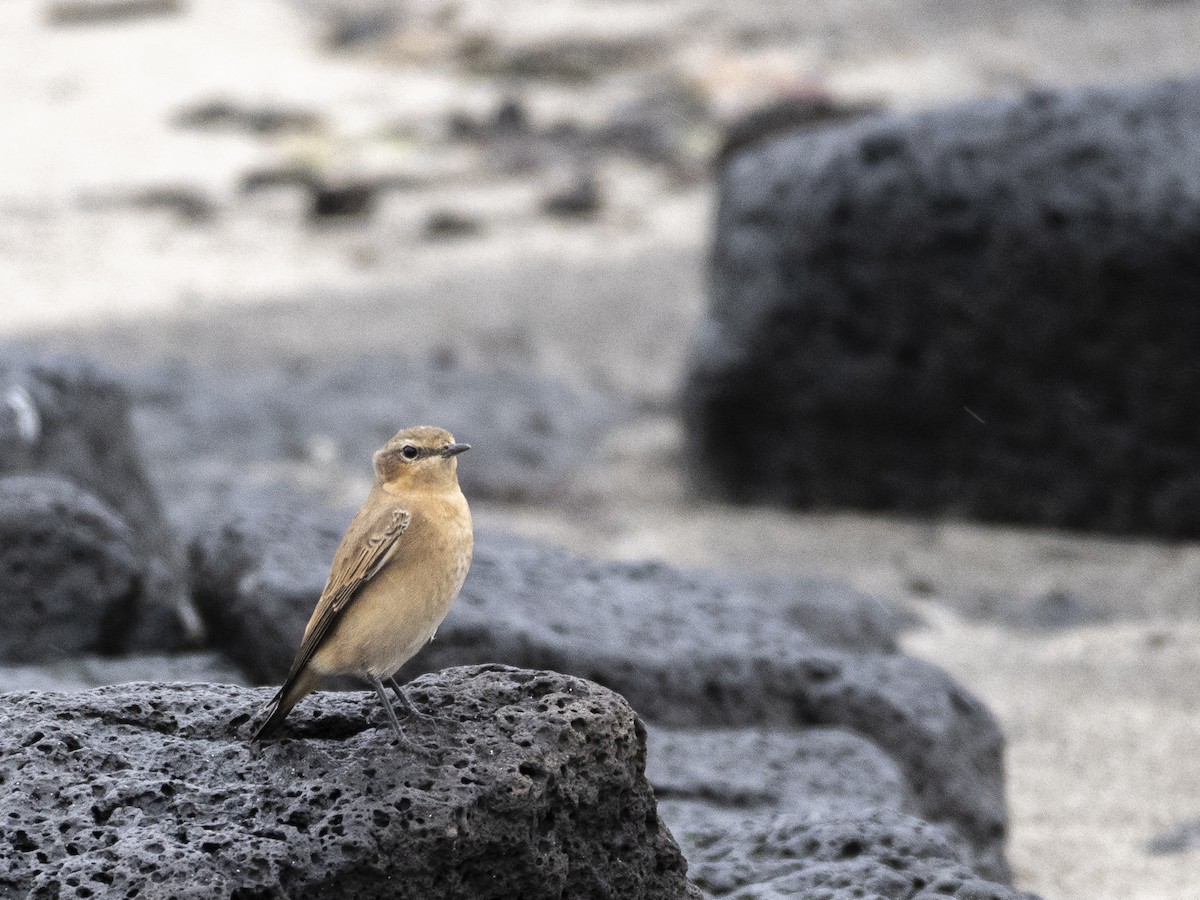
[394,575]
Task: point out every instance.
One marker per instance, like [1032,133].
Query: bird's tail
[292,692]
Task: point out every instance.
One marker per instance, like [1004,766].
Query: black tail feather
[292,692]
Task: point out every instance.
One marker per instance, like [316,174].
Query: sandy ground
[1100,717]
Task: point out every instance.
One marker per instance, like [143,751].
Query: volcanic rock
[70,579]
[525,784]
[986,311]
[66,418]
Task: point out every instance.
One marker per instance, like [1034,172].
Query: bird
[398,568]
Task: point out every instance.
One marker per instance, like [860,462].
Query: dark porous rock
[887,855]
[70,579]
[529,784]
[66,418]
[703,778]
[986,311]
[686,650]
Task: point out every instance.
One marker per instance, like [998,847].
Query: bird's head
[419,457]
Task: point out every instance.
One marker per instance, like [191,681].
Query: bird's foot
[412,713]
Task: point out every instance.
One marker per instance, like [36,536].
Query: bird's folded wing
[368,545]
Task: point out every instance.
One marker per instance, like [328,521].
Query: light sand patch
[1098,723]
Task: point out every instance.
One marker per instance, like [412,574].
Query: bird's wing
[370,542]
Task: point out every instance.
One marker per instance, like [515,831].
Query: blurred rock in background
[71,580]
[68,422]
[986,311]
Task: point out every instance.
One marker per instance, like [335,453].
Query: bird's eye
[408,451]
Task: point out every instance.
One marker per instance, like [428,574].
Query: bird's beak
[454,449]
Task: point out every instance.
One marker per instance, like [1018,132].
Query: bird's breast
[397,611]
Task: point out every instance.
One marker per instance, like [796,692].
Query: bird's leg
[412,711]
[409,709]
[387,705]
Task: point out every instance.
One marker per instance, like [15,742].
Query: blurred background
[331,219]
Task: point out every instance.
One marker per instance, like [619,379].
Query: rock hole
[22,842]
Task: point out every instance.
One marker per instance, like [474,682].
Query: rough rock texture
[64,417]
[684,649]
[529,785]
[988,310]
[888,856]
[70,579]
[701,776]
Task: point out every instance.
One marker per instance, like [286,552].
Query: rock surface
[883,856]
[70,578]
[530,784]
[647,631]
[987,310]
[66,418]
[704,780]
